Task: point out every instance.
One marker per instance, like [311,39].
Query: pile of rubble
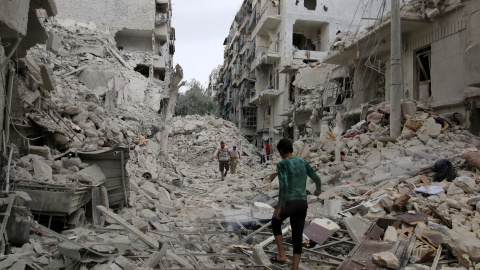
[399,201]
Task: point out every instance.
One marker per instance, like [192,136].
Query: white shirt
[264,152]
[234,153]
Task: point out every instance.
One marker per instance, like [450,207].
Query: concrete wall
[14,18]
[110,14]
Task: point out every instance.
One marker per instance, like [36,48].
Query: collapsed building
[265,40]
[142,31]
[440,43]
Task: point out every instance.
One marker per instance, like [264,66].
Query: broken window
[143,69]
[159,75]
[162,8]
[423,63]
[310,4]
[310,36]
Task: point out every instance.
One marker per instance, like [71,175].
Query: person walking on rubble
[262,155]
[235,156]
[223,157]
[292,175]
[267,148]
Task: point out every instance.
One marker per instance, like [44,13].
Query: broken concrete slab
[260,257]
[464,242]
[92,175]
[42,171]
[47,77]
[14,18]
[356,227]
[53,42]
[42,151]
[386,259]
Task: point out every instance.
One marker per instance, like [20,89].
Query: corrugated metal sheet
[110,161]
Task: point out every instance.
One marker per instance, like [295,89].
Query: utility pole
[396,91]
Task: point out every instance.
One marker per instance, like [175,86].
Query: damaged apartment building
[440,52]
[267,44]
[142,31]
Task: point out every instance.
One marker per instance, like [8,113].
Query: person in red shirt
[267,147]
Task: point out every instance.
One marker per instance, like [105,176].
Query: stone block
[41,170]
[47,77]
[391,154]
[467,184]
[42,151]
[53,42]
[386,259]
[356,227]
[69,162]
[410,151]
[80,118]
[463,242]
[14,18]
[91,175]
[432,128]
[140,223]
[331,208]
[390,235]
[432,13]
[409,108]
[260,257]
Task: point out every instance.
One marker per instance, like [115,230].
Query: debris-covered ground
[114,201]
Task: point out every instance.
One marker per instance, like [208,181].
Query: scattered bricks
[386,259]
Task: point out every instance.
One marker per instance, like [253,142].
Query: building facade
[267,43]
[142,26]
[441,48]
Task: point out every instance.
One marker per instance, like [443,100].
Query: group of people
[292,175]
[225,156]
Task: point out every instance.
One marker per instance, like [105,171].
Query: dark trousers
[262,160]
[297,212]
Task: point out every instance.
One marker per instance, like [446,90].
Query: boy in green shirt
[292,199]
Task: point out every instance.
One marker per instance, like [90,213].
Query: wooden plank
[148,240]
[437,258]
[95,202]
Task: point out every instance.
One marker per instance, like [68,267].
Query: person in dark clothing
[292,175]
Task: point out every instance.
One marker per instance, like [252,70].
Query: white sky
[200,28]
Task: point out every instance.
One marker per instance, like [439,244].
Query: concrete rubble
[174,210]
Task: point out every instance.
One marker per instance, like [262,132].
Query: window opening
[310,4]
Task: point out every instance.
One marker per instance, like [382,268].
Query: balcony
[268,18]
[264,96]
[263,56]
[161,32]
[159,62]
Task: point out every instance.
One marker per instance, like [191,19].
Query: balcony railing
[268,18]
